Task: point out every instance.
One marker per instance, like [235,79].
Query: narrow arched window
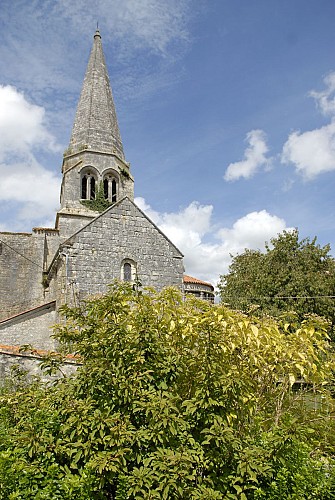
[92,188]
[88,186]
[84,187]
[106,189]
[113,190]
[110,183]
[127,272]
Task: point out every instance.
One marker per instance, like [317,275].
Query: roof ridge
[36,308]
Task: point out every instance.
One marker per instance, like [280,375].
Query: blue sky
[226,111]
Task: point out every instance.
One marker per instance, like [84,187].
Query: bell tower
[94,165]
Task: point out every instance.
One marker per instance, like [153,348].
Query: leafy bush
[174,400]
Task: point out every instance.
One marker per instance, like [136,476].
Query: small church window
[88,186]
[110,188]
[127,272]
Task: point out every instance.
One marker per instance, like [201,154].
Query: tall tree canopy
[292,275]
[173,400]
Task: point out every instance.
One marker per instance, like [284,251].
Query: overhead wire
[21,255]
[282,297]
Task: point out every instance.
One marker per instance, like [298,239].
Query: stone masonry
[94,256]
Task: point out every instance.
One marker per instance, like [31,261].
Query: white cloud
[153,24]
[134,27]
[150,212]
[33,187]
[21,124]
[185,227]
[255,157]
[23,179]
[252,231]
[311,152]
[146,37]
[326,98]
[206,248]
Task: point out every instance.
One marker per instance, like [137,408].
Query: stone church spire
[95,126]
[93,166]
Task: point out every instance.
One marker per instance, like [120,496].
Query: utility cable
[21,255]
[281,297]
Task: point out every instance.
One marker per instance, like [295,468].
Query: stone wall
[23,258]
[30,363]
[32,327]
[93,258]
[21,268]
[70,223]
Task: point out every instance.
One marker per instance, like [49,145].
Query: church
[99,235]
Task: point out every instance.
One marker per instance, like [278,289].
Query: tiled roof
[190,279]
[17,351]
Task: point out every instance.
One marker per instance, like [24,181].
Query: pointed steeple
[95,126]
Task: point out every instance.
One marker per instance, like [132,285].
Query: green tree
[173,400]
[291,276]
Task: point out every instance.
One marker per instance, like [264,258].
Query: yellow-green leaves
[174,400]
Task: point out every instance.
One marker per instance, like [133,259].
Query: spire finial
[97,32]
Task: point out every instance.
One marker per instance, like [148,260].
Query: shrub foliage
[173,400]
